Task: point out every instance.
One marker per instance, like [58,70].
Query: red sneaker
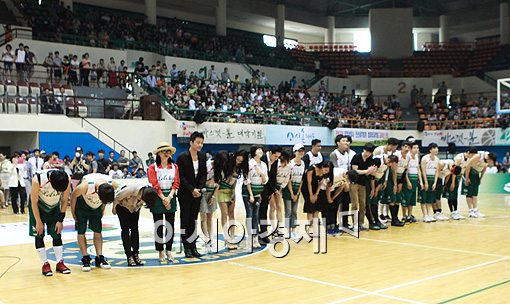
[62,268]
[46,270]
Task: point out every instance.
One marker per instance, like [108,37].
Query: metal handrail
[99,132]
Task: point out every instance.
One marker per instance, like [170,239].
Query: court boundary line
[434,247]
[405,284]
[474,292]
[365,292]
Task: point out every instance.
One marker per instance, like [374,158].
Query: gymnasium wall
[66,142]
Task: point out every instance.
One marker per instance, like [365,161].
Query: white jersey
[381,150]
[413,165]
[445,171]
[283,175]
[343,161]
[479,166]
[296,172]
[339,177]
[314,159]
[431,165]
[403,162]
[92,197]
[47,194]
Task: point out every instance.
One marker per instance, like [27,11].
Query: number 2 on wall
[401,87]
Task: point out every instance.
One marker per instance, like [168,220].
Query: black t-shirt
[357,160]
[102,164]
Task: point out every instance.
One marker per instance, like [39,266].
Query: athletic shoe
[412,219]
[382,219]
[363,228]
[62,268]
[330,232]
[102,263]
[460,217]
[85,263]
[382,226]
[387,217]
[46,270]
[472,213]
[337,231]
[208,247]
[442,217]
[373,227]
[478,213]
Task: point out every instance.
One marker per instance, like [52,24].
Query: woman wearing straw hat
[164,178]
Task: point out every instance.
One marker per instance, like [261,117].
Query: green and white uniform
[474,176]
[430,196]
[254,179]
[89,206]
[409,196]
[49,205]
[379,176]
[296,175]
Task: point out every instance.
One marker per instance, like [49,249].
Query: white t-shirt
[431,165]
[491,170]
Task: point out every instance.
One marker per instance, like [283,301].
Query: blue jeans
[252,214]
[290,213]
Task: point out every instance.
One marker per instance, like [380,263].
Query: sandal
[131,262]
[137,259]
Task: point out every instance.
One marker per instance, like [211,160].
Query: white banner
[291,135]
[363,135]
[461,138]
[224,133]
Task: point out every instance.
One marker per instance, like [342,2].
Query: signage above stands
[224,133]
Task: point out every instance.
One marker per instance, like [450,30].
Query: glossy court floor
[445,262]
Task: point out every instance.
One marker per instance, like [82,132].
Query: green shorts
[472,189]
[452,195]
[48,218]
[408,197]
[387,194]
[430,196]
[375,200]
[85,214]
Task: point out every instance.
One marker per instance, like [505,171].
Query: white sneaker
[426,219]
[382,219]
[442,217]
[478,213]
[459,216]
[455,216]
[472,214]
[436,216]
[432,218]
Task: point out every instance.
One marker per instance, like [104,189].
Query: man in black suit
[192,174]
[271,160]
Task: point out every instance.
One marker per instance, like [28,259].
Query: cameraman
[78,167]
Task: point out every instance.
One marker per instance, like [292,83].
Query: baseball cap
[298,146]
[43,152]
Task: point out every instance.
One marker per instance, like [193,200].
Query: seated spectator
[115,172]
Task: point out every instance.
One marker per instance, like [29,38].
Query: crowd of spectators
[108,28]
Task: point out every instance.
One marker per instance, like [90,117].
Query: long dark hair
[241,169]
[222,166]
[158,160]
[327,164]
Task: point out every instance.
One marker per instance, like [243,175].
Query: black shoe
[102,263]
[195,252]
[374,227]
[137,259]
[397,223]
[188,254]
[85,263]
[264,241]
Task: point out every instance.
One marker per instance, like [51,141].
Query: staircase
[103,137]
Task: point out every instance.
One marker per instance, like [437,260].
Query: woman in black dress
[311,189]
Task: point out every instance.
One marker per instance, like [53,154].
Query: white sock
[380,209]
[59,253]
[41,252]
[385,210]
